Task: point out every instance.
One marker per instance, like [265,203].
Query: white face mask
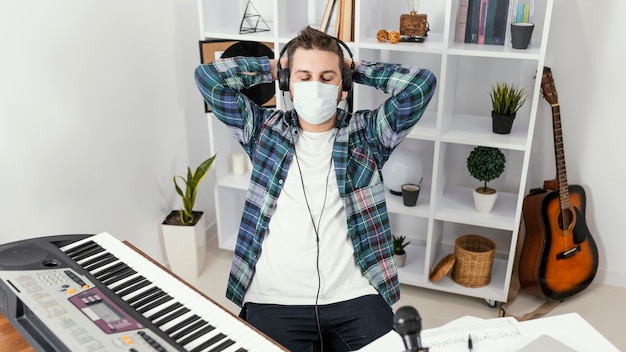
[314,101]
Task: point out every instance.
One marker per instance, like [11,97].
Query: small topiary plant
[486,164]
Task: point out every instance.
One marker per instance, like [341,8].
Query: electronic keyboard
[96,293]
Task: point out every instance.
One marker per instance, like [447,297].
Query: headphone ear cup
[346,81]
[283,79]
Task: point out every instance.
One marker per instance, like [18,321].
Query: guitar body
[556,262]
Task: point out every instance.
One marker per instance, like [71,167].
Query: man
[313,262]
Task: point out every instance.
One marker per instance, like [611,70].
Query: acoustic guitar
[559,257]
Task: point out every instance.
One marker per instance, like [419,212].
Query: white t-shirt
[286,272]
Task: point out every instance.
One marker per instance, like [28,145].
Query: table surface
[10,339]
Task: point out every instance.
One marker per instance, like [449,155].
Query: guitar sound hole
[565,219]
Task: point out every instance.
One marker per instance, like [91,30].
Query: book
[461,21]
[511,17]
[491,18]
[519,14]
[328,12]
[473,17]
[500,22]
[482,21]
[531,16]
[526,13]
[346,21]
[337,28]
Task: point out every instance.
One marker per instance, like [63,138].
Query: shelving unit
[458,118]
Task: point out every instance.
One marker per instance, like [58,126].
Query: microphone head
[407,321]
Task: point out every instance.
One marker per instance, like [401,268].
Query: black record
[261,93]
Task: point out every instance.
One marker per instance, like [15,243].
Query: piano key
[147,296]
[176,325]
[222,346]
[97,260]
[80,247]
[189,329]
[189,339]
[77,244]
[160,311]
[150,290]
[232,328]
[192,318]
[129,282]
[149,304]
[87,253]
[114,277]
[208,343]
[175,314]
[133,288]
[107,269]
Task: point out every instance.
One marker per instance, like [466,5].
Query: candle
[239,164]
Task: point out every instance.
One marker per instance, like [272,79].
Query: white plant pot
[484,202]
[185,247]
[400,260]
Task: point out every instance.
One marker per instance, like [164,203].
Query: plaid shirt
[365,140]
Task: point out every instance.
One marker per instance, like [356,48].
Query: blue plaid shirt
[365,140]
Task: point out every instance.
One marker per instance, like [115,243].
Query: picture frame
[212,49]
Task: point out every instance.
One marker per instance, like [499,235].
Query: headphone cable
[317,238]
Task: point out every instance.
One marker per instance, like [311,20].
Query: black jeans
[344,326]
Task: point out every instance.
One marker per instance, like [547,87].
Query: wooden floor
[10,339]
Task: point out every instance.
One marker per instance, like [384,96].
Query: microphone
[408,323]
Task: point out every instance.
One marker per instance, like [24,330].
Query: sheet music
[497,335]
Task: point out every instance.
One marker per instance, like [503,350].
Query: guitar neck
[559,151]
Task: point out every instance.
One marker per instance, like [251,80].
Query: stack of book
[488,21]
[342,12]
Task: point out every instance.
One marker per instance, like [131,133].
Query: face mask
[314,101]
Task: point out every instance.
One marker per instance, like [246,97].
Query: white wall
[587,60]
[98,110]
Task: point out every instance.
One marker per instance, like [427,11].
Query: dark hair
[311,38]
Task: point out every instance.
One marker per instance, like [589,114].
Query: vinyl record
[261,93]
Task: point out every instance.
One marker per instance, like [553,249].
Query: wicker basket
[474,260]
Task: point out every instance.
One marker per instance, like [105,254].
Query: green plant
[399,244]
[191,189]
[486,164]
[506,98]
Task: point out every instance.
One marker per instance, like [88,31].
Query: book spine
[482,21]
[526,12]
[510,19]
[461,21]
[491,18]
[473,17]
[500,22]
[520,13]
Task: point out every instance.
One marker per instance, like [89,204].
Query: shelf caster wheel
[491,303]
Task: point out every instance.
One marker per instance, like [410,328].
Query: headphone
[346,73]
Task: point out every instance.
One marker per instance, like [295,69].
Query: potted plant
[506,100]
[485,164]
[399,243]
[184,230]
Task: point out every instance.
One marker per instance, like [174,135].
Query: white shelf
[473,130]
[457,119]
[456,205]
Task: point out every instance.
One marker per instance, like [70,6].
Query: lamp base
[414,25]
[412,39]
